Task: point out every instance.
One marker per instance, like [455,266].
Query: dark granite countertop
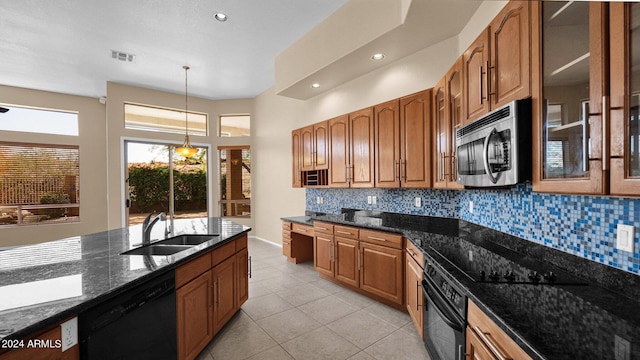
[596,321]
[43,284]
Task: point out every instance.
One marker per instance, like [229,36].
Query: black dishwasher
[138,324]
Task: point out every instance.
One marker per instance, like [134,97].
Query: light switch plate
[471,207]
[374,200]
[418,201]
[369,200]
[624,238]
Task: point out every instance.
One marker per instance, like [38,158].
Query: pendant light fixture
[186,150]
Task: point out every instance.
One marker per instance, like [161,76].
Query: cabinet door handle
[454,168]
[321,228]
[250,267]
[302,230]
[376,238]
[480,85]
[403,174]
[344,232]
[358,260]
[213,293]
[418,293]
[218,297]
[397,167]
[605,133]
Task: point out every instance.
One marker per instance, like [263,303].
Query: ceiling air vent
[122,56]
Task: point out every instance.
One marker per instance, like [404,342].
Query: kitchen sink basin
[186,240]
[157,249]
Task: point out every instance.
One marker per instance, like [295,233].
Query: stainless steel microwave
[495,150]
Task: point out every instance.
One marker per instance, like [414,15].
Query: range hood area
[339,49]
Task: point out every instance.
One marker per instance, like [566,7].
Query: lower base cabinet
[486,341]
[413,286]
[210,290]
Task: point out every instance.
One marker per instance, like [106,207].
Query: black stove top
[487,262]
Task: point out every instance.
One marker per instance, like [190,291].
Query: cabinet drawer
[415,254]
[381,238]
[302,229]
[192,269]
[322,227]
[346,232]
[286,248]
[286,234]
[286,225]
[223,252]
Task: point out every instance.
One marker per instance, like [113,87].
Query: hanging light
[186,150]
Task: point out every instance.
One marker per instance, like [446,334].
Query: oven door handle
[485,156]
[448,316]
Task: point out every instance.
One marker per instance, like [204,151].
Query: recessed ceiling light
[315,85]
[220,17]
[377,56]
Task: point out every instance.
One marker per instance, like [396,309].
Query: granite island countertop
[598,321]
[44,284]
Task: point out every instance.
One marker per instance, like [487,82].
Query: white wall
[275,117]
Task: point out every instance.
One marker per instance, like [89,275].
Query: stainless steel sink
[186,240]
[157,249]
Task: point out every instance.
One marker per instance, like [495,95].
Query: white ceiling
[65,45]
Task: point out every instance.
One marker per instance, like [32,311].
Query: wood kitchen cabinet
[486,341]
[209,291]
[497,65]
[297,242]
[314,146]
[413,286]
[351,150]
[296,144]
[403,142]
[367,260]
[447,118]
[570,87]
[625,99]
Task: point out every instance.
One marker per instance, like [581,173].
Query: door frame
[123,172]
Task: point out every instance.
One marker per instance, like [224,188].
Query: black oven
[444,316]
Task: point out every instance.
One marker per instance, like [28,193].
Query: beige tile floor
[293,314]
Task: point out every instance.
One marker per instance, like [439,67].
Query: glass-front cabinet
[570,86]
[586,85]
[625,98]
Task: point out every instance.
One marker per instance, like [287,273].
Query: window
[235,181]
[40,121]
[143,117]
[39,184]
[235,125]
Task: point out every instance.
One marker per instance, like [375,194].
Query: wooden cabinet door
[296,144]
[625,99]
[338,129]
[323,254]
[195,328]
[415,128]
[242,277]
[510,68]
[454,89]
[570,77]
[387,144]
[225,297]
[346,261]
[307,148]
[361,148]
[440,136]
[413,294]
[381,271]
[321,146]
[475,89]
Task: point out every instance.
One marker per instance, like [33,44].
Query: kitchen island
[42,285]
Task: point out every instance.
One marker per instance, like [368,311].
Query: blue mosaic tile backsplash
[578,224]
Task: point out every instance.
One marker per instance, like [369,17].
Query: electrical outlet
[471,207]
[374,200]
[369,200]
[318,200]
[69,333]
[624,238]
[321,200]
[418,202]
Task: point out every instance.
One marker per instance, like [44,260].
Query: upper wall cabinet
[296,158]
[314,147]
[625,98]
[351,150]
[403,142]
[570,87]
[497,66]
[447,117]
